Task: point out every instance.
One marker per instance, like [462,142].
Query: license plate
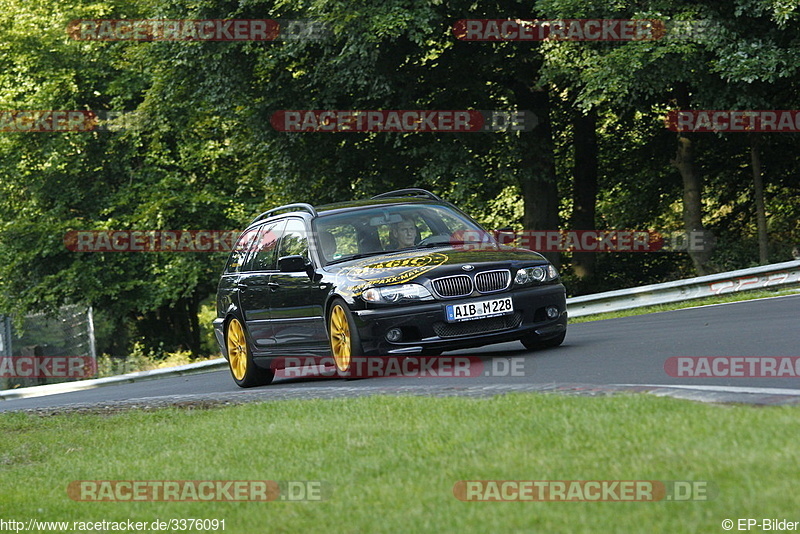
[478,310]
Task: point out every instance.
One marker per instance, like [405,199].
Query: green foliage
[141,359]
[201,153]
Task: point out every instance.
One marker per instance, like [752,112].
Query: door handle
[273,285]
[240,285]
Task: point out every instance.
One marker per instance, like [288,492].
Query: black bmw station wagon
[402,273]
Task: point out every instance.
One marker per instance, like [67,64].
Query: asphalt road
[631,350]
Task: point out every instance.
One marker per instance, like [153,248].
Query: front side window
[295,240]
[263,257]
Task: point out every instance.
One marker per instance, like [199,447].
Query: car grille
[478,326]
[490,281]
[453,286]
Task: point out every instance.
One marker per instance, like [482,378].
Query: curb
[66,387]
[705,394]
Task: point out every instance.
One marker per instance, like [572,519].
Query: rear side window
[263,256]
[240,249]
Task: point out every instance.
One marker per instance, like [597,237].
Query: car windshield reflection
[381,230]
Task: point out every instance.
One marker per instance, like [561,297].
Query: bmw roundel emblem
[467,267]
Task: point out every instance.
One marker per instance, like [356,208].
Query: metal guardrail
[79,385]
[764,276]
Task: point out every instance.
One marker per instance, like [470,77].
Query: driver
[404,233]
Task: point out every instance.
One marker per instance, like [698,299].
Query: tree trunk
[692,202]
[692,193]
[758,186]
[537,167]
[584,195]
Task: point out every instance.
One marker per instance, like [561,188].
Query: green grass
[692,303]
[391,462]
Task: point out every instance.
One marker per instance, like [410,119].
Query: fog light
[395,334]
[552,312]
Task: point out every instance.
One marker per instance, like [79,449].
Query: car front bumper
[425,329]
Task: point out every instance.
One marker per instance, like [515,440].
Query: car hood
[420,265]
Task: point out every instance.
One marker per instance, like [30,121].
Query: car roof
[339,207]
[391,198]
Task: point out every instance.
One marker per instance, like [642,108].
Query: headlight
[396,293]
[540,273]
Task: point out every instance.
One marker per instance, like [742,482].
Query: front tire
[343,334]
[534,342]
[244,371]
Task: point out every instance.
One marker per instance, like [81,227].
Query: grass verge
[391,462]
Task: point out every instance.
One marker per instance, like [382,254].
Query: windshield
[378,230]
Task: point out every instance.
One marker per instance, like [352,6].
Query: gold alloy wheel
[340,338]
[237,349]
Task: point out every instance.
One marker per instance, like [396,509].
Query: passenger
[328,244]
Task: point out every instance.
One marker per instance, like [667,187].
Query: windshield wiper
[357,256]
[436,244]
[453,242]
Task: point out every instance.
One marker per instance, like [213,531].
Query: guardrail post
[5,336]
[5,345]
[92,341]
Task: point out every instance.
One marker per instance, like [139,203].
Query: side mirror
[292,264]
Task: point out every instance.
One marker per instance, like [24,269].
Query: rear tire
[534,342]
[244,371]
[343,334]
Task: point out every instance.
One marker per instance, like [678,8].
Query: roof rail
[296,207]
[410,192]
